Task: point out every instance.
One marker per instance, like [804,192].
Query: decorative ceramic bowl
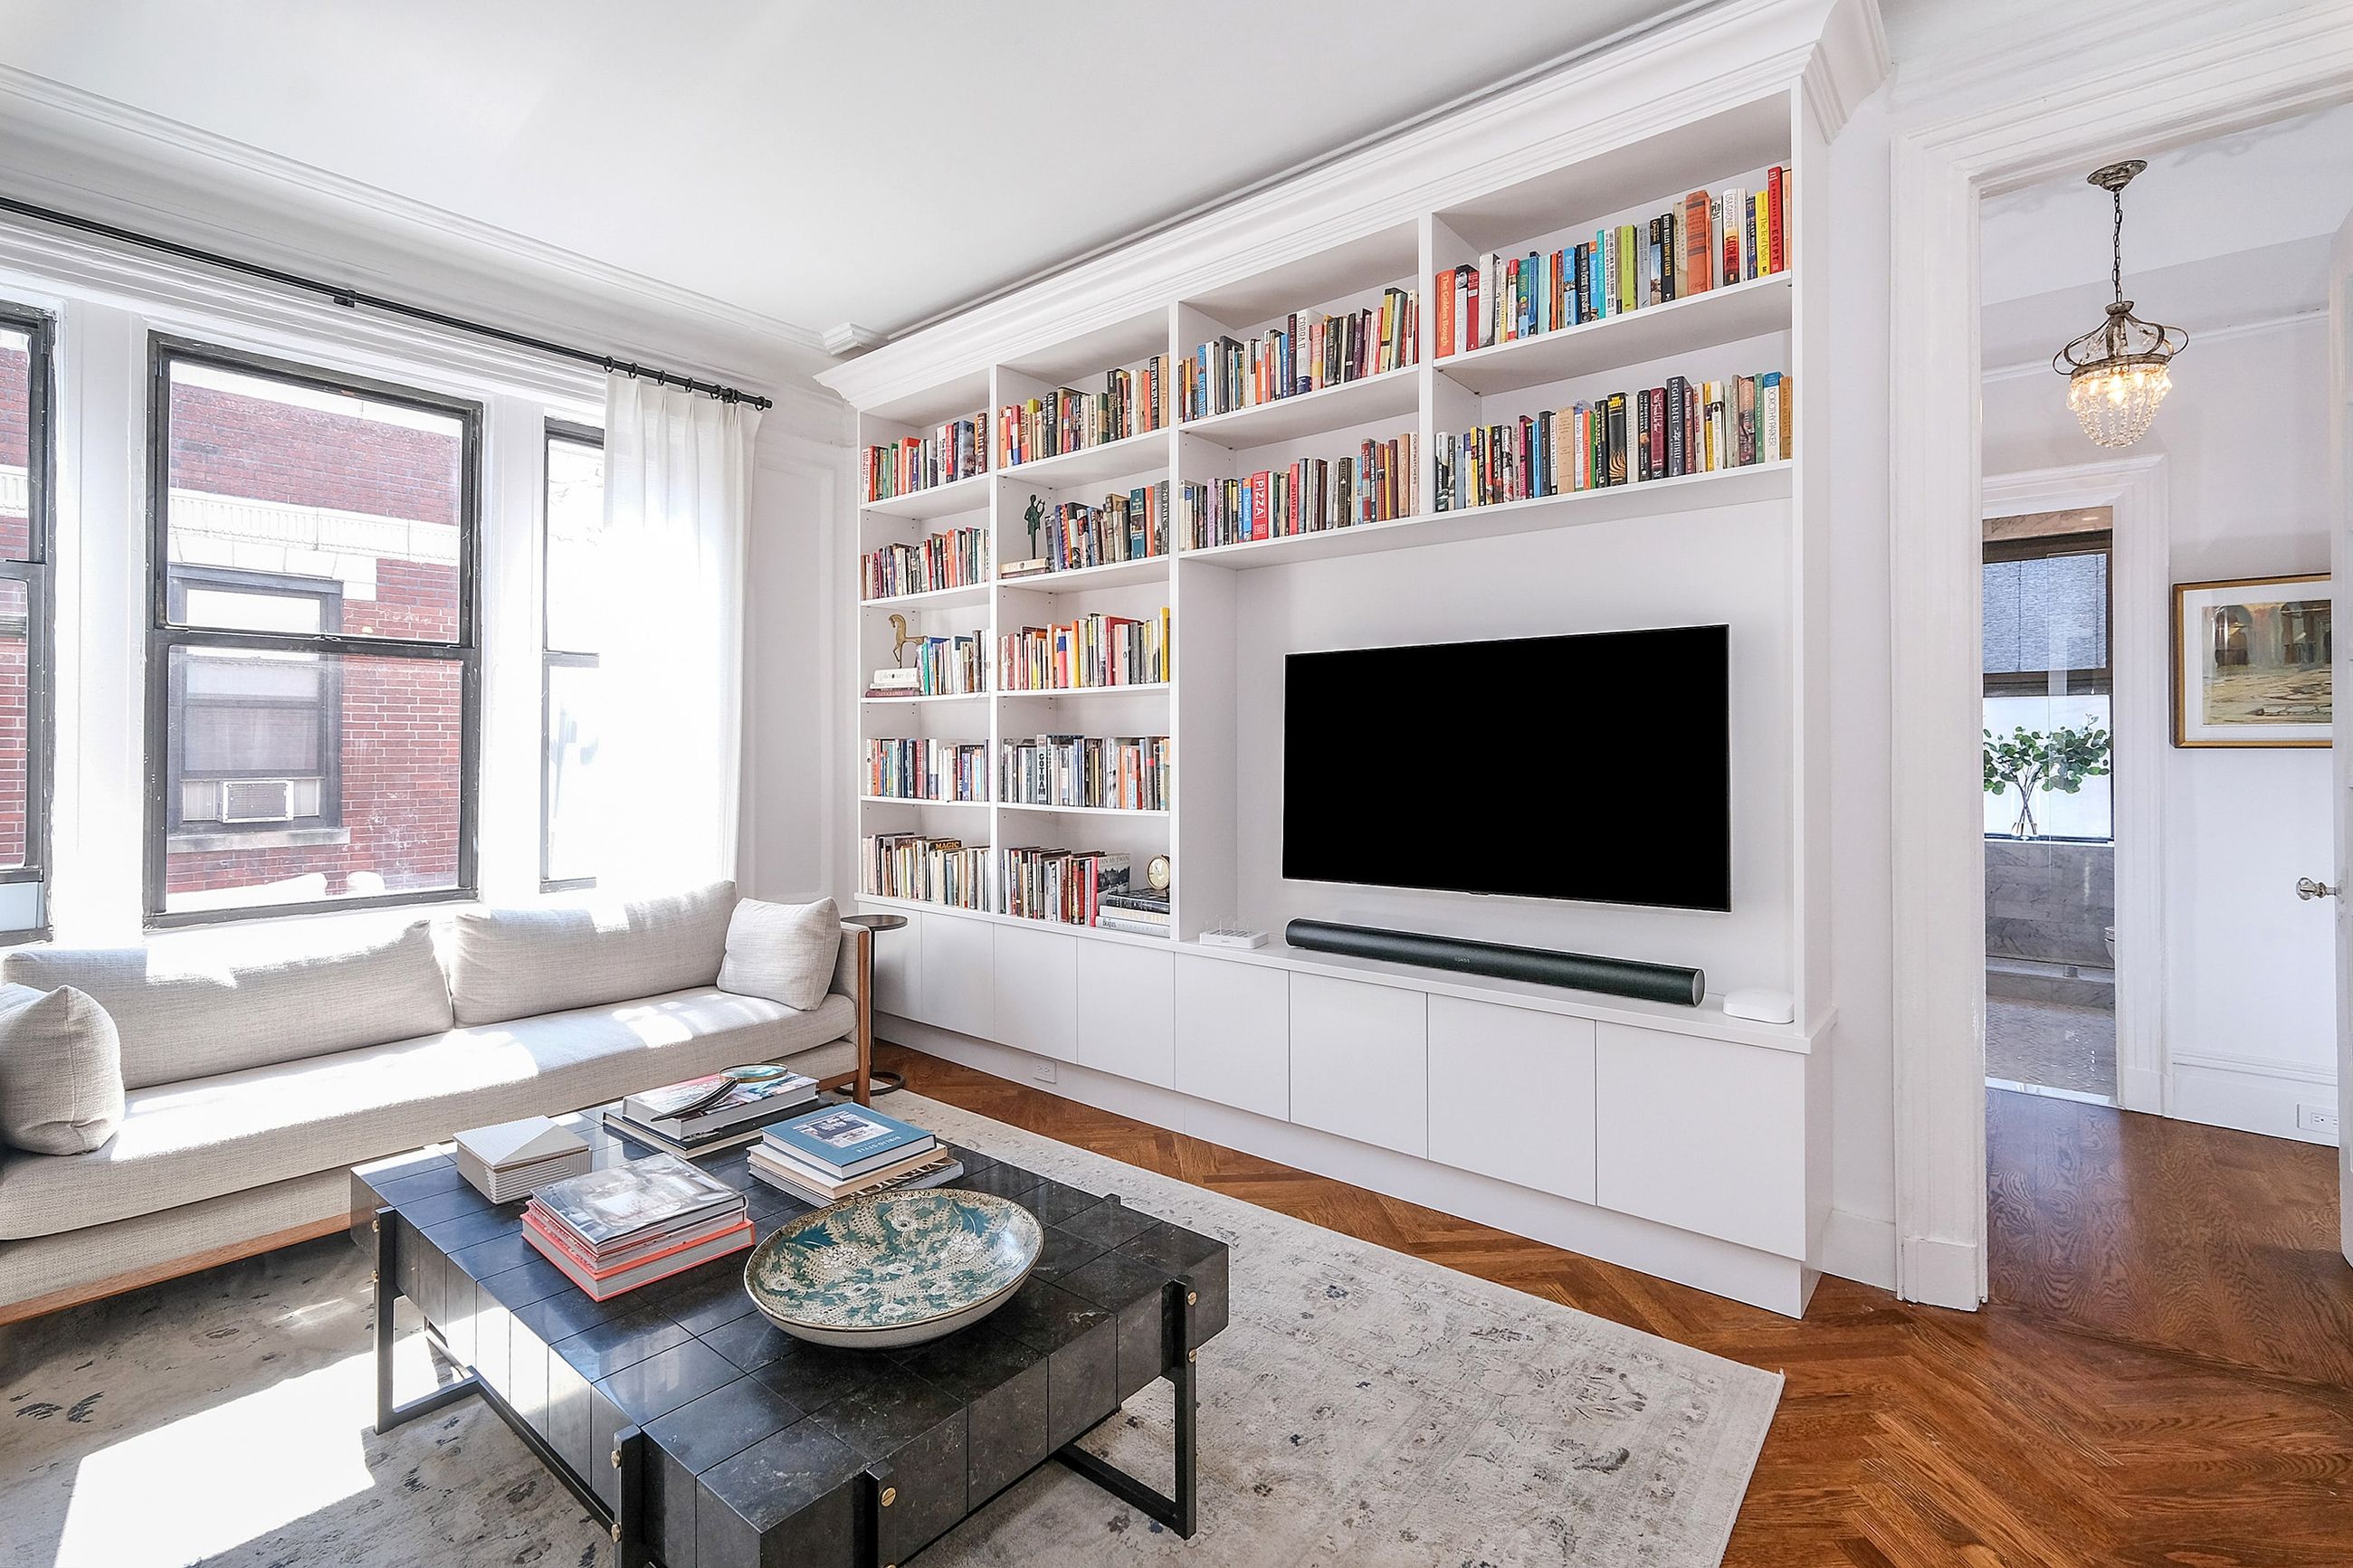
[893,1268]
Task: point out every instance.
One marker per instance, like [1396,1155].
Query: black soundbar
[1577,970]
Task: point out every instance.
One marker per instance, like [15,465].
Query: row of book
[934,870]
[1138,911]
[1124,773]
[1306,353]
[842,1151]
[953,451]
[1129,526]
[1379,484]
[955,560]
[1063,885]
[1093,650]
[924,768]
[943,666]
[1708,240]
[1067,420]
[1660,432]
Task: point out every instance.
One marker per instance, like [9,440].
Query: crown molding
[82,152]
[2255,328]
[1732,53]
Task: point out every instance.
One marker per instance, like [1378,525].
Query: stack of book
[1705,240]
[943,666]
[1378,485]
[1093,650]
[506,1162]
[955,560]
[1064,886]
[918,769]
[1659,432]
[1126,772]
[613,1230]
[845,1151]
[930,871]
[715,1111]
[1139,911]
[1306,352]
[1067,420]
[947,453]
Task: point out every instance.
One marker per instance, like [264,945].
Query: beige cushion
[184,1011]
[185,1143]
[512,963]
[783,952]
[60,1071]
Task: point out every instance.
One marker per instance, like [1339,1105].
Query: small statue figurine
[1036,518]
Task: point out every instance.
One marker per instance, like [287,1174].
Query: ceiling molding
[1735,54]
[80,151]
[2026,368]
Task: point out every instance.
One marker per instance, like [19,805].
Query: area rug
[1364,1408]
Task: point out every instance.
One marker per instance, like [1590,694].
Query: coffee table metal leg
[1179,1513]
[629,1517]
[386,1225]
[879,1498]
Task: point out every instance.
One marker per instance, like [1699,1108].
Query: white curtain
[677,470]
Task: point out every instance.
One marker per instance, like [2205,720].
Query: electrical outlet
[2317,1118]
[1042,1069]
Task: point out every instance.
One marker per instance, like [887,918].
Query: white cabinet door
[898,963]
[1511,1095]
[1128,1011]
[1702,1134]
[1038,992]
[1233,1034]
[1360,1061]
[954,976]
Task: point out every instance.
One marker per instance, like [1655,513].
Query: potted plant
[2029,760]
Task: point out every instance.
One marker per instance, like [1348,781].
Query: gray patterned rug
[1364,1408]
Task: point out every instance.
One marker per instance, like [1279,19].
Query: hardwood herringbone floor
[2165,1376]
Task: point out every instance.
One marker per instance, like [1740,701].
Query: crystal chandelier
[2115,373]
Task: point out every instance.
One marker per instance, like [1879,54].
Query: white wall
[2250,1020]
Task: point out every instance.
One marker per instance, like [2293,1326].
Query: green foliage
[2029,760]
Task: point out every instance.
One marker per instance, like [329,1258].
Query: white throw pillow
[60,1071]
[783,952]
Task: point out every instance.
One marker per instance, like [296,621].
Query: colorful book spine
[1660,432]
[950,452]
[956,560]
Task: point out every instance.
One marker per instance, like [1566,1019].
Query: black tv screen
[1595,767]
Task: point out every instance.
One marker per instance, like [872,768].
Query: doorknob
[2308,890]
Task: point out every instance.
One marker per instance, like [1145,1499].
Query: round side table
[880,1080]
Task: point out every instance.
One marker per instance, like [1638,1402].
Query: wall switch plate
[1042,1069]
[2317,1118]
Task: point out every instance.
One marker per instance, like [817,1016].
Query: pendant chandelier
[2116,372]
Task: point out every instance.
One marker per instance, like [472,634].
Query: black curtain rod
[354,298]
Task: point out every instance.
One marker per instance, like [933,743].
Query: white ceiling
[2217,233]
[811,162]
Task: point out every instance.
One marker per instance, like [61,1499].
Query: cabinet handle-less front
[2307,889]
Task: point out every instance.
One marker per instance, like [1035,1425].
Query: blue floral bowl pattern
[893,1268]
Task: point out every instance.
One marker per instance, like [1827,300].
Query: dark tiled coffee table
[707,1438]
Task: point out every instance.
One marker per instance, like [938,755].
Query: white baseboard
[1855,1246]
[1721,1267]
[2250,1099]
[1940,1273]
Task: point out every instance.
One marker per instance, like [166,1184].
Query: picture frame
[2252,661]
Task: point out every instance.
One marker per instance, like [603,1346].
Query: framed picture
[2250,662]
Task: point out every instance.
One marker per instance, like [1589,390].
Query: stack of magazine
[844,1151]
[613,1230]
[716,1112]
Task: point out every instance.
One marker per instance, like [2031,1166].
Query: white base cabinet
[1511,1095]
[1233,1035]
[1360,1061]
[1128,1011]
[1036,980]
[1704,1135]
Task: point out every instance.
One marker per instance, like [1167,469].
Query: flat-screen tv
[1595,767]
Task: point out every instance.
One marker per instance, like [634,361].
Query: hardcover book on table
[848,1140]
[608,1207]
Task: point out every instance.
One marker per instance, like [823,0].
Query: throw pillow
[60,1071]
[783,952]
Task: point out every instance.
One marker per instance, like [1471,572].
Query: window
[573,617]
[2046,639]
[26,530]
[312,662]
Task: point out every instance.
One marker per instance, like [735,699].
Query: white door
[2340,402]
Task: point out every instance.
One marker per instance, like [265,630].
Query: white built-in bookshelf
[1678,1140]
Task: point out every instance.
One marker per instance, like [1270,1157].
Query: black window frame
[37,572]
[329,703]
[164,351]
[551,658]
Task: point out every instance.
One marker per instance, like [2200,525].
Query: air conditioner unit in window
[257,800]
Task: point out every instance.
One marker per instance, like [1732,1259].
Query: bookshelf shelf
[934,697]
[1082,810]
[969,494]
[1391,394]
[931,598]
[1141,454]
[1136,688]
[1686,326]
[914,800]
[1020,922]
[1151,569]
